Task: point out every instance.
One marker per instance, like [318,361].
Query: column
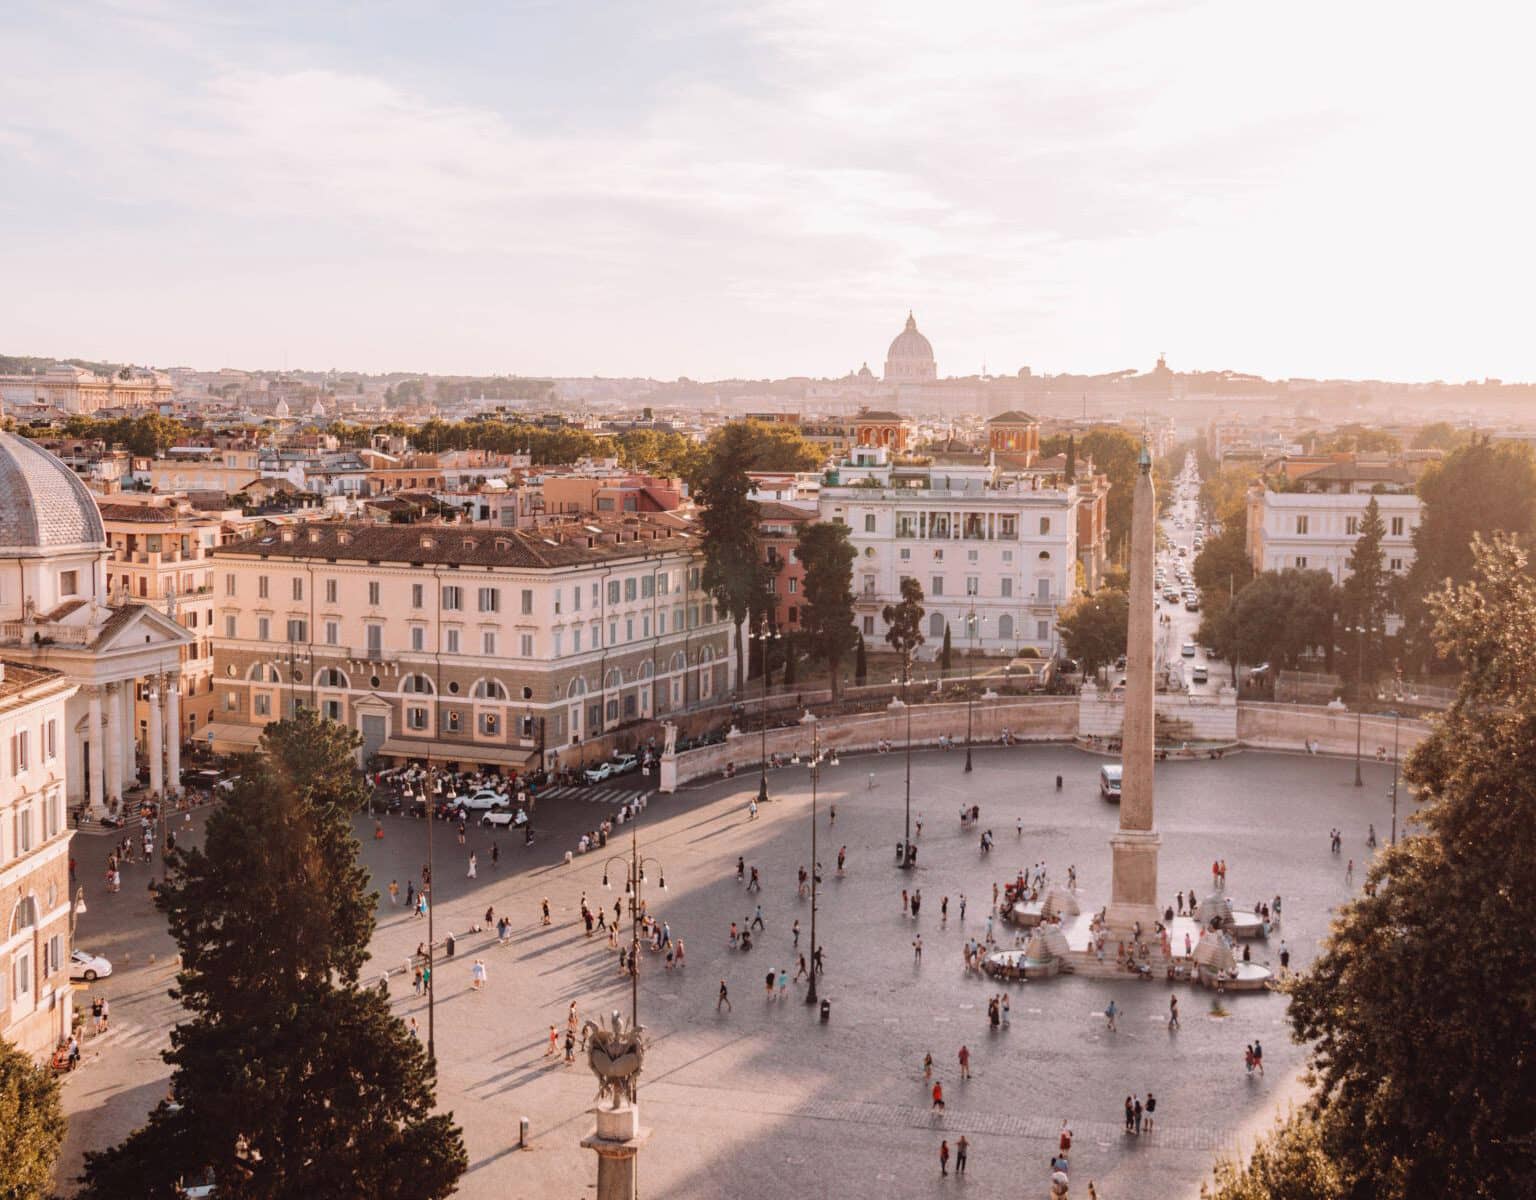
[93,733]
[156,767]
[114,739]
[173,733]
[129,734]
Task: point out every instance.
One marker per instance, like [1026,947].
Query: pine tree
[289,1078]
[789,658]
[946,652]
[1365,597]
[860,663]
[826,614]
[31,1126]
[733,574]
[905,621]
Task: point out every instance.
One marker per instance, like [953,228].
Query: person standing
[961,1147]
[1349,872]
[1111,1011]
[965,1062]
[928,1066]
[1139,1113]
[944,1158]
[768,984]
[917,901]
[906,903]
[394,892]
[944,910]
[1285,956]
[1130,1114]
[1151,1111]
[962,907]
[795,930]
[1258,1056]
[917,950]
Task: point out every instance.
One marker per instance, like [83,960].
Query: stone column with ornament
[156,752]
[615,1053]
[173,736]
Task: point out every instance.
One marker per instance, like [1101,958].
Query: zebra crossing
[128,1034]
[596,795]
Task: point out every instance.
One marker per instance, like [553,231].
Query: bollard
[522,1133]
[826,1011]
[1058,783]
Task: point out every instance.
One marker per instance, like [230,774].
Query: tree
[1439,435]
[1365,597]
[946,654]
[31,1126]
[1093,628]
[1418,1008]
[1223,566]
[860,663]
[905,621]
[826,615]
[1482,488]
[289,1079]
[1115,454]
[789,658]
[1282,616]
[734,574]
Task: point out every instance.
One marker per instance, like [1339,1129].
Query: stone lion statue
[615,1053]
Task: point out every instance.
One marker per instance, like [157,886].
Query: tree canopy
[735,574]
[905,623]
[1280,617]
[31,1126]
[289,1079]
[826,615]
[1419,1007]
[1365,596]
[1093,628]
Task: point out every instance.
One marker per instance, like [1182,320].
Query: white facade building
[999,548]
[1313,529]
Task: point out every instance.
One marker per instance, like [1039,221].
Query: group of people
[1139,1117]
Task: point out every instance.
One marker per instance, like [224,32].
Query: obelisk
[1133,892]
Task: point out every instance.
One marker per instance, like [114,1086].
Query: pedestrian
[795,930]
[1248,1058]
[1151,1110]
[1258,1056]
[495,854]
[960,1151]
[965,1062]
[725,998]
[1130,1114]
[1019,827]
[1007,1012]
[741,868]
[831,814]
[544,911]
[842,857]
[735,937]
[768,984]
[1139,1111]
[944,1158]
[473,862]
[477,975]
[1181,903]
[938,1096]
[394,892]
[917,901]
[944,910]
[1064,1142]
[554,1042]
[928,1066]
[410,893]
[783,984]
[801,973]
[757,920]
[1349,872]
[906,903]
[962,907]
[754,884]
[570,1047]
[918,826]
[415,1030]
[1173,1012]
[1285,955]
[917,949]
[1110,1013]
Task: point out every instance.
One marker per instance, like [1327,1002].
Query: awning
[465,752]
[226,738]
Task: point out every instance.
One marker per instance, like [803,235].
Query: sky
[764,188]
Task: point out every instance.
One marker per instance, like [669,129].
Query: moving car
[1109,782]
[1191,603]
[505,818]
[623,763]
[599,773]
[484,798]
[1201,674]
[89,967]
[1187,650]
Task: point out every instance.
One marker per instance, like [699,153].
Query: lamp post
[634,879]
[1359,702]
[764,636]
[1397,718]
[432,787]
[972,621]
[815,765]
[906,702]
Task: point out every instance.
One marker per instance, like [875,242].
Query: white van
[1109,782]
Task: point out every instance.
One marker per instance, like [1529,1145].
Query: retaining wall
[1291,726]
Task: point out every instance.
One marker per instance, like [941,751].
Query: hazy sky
[765,187]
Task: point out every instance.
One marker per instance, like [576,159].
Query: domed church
[910,358]
[55,613]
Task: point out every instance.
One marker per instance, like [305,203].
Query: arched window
[936,625]
[331,677]
[262,673]
[1005,627]
[24,915]
[679,663]
[646,670]
[417,685]
[614,678]
[489,689]
[578,687]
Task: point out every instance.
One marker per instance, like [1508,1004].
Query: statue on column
[615,1055]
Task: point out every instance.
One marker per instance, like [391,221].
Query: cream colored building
[76,390]
[463,644]
[55,612]
[35,997]
[202,470]
[162,556]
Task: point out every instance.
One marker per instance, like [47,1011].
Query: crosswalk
[126,1034]
[595,795]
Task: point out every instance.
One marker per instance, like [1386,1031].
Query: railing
[25,632]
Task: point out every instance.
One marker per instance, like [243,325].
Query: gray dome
[44,505]
[910,345]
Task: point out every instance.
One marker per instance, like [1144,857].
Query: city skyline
[765,192]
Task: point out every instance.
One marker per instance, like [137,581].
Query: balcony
[24,633]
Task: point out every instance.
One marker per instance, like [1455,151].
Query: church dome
[44,506]
[910,357]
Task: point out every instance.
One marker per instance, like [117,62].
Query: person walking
[544,911]
[928,1066]
[795,931]
[938,1096]
[1258,1056]
[961,1147]
[1007,1012]
[495,854]
[906,902]
[917,901]
[944,1158]
[473,863]
[768,984]
[757,919]
[1173,1012]
[783,983]
[1111,1011]
[962,907]
[410,893]
[725,998]
[965,1062]
[1349,872]
[917,950]
[570,1048]
[394,892]
[415,1030]
[944,910]
[477,975]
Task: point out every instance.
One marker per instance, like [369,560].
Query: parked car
[623,763]
[505,818]
[482,799]
[1191,603]
[1109,782]
[1187,650]
[1201,674]
[89,967]
[599,773]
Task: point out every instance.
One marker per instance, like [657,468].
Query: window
[23,975]
[1005,627]
[330,591]
[1045,525]
[332,633]
[972,585]
[375,635]
[938,586]
[613,591]
[331,709]
[794,585]
[69,582]
[869,626]
[263,629]
[298,630]
[1301,562]
[1395,564]
[490,599]
[261,586]
[526,645]
[453,598]
[631,588]
[661,622]
[416,718]
[298,587]
[647,587]
[1042,631]
[1351,525]
[869,522]
[51,739]
[373,592]
[527,602]
[488,641]
[576,598]
[490,724]
[935,625]
[231,702]
[973,556]
[938,556]
[453,722]
[19,752]
[418,637]
[1301,524]
[229,584]
[629,629]
[1007,526]
[869,585]
[452,641]
[1007,583]
[613,633]
[261,704]
[559,638]
[1397,526]
[906,554]
[576,641]
[418,595]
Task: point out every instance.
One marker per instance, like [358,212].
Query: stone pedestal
[617,1141]
[1133,898]
[667,780]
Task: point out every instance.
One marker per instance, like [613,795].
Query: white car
[482,799]
[505,818]
[89,967]
[599,773]
[1188,650]
[624,763]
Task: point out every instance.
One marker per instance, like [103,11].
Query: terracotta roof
[1357,473]
[551,546]
[143,514]
[777,510]
[20,676]
[876,414]
[1013,417]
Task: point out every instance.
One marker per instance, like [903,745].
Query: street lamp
[972,622]
[1397,719]
[1359,702]
[815,765]
[634,879]
[431,787]
[764,636]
